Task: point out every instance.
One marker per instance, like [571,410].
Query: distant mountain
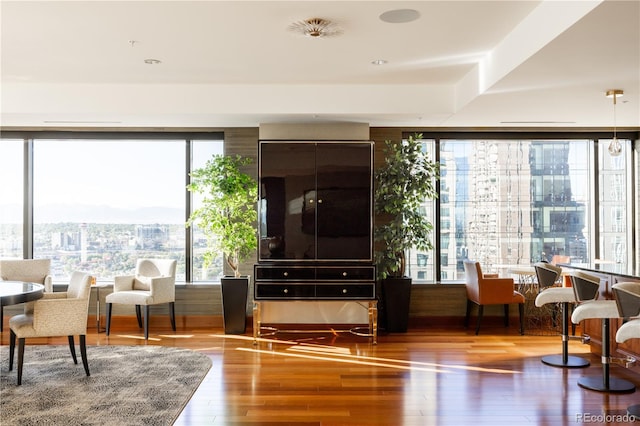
[83,213]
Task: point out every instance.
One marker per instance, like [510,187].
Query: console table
[312,283]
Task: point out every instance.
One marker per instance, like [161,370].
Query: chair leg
[72,347]
[146,322]
[83,353]
[109,306]
[506,315]
[20,359]
[172,315]
[521,316]
[480,313]
[138,316]
[12,347]
[468,314]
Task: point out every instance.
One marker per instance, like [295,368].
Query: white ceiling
[236,63]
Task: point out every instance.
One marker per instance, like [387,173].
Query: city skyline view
[501,202]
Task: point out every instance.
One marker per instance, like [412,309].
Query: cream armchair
[56,314]
[153,284]
[30,270]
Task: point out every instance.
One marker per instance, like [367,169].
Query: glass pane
[419,263]
[11,171]
[614,220]
[100,205]
[512,202]
[201,152]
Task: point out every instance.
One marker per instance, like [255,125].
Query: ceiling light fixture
[379,62]
[152,61]
[316,28]
[615,147]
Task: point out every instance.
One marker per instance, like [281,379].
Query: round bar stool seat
[564,296]
[603,310]
[630,330]
[628,298]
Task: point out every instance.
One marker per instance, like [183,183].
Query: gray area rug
[129,385]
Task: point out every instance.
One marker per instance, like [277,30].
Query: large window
[506,202]
[99,204]
[11,198]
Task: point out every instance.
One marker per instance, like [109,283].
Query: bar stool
[547,275]
[627,296]
[586,285]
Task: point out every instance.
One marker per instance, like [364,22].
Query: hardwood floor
[429,376]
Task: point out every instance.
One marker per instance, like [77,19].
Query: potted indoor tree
[405,181]
[227,216]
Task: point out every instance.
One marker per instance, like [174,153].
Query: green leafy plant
[228,210]
[405,181]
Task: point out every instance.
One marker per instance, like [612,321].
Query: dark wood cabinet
[315,222]
[315,201]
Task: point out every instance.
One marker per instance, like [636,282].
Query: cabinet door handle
[285,291]
[344,274]
[344,291]
[319,201]
[286,274]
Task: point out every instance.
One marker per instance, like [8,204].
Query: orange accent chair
[486,289]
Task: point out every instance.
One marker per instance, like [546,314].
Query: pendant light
[615,147]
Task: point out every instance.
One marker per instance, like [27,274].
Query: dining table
[16,292]
[543,320]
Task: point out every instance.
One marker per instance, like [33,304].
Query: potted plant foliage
[227,216]
[405,181]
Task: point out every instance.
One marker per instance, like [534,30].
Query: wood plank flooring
[429,376]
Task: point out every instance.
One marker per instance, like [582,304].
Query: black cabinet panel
[284,273]
[273,282]
[345,291]
[315,201]
[284,291]
[345,273]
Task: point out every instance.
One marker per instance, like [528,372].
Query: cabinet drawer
[345,291]
[346,273]
[284,291]
[284,273]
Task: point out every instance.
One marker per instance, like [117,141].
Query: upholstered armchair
[29,270]
[490,290]
[153,284]
[56,314]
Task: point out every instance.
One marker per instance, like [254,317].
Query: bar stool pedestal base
[634,410]
[571,362]
[615,385]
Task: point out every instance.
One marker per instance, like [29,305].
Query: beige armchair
[30,270]
[56,314]
[153,284]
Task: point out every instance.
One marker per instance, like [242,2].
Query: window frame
[29,137]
